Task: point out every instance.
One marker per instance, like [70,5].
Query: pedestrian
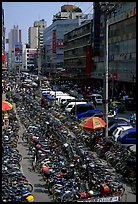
[94,103]
[131,118]
[115,111]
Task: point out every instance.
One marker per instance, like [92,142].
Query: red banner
[3,57]
[54,41]
[88,61]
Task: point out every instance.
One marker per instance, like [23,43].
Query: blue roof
[88,113]
[48,96]
[44,94]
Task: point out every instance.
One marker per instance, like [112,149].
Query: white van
[98,98]
[64,99]
[69,107]
[119,130]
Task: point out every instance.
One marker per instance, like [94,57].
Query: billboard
[18,53]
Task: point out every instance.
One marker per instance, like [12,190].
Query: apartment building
[53,43]
[79,60]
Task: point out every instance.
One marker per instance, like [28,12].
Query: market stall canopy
[6,106]
[93,123]
[88,113]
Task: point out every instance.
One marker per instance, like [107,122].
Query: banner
[54,41]
[88,61]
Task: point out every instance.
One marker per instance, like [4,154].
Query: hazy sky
[24,14]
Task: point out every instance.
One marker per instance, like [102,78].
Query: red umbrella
[93,123]
[6,106]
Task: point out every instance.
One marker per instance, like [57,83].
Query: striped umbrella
[6,106]
[93,123]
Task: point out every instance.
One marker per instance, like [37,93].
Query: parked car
[113,120]
[119,105]
[119,130]
[130,104]
[114,126]
[88,113]
[80,108]
[128,137]
[97,97]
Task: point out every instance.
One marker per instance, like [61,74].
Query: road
[126,114]
[40,192]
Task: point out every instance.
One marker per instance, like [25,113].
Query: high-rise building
[68,12]
[14,38]
[33,37]
[35,32]
[3,43]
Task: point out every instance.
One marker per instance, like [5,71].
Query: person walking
[94,103]
[115,111]
[131,118]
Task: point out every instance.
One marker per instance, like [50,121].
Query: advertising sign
[54,41]
[18,53]
[88,61]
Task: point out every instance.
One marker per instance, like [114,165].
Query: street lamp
[107,8]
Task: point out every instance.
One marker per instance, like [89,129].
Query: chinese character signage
[54,41]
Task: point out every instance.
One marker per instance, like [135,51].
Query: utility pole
[107,9]
[39,60]
[106,78]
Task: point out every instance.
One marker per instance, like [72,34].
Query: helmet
[38,146]
[71,165]
[30,198]
[90,193]
[25,192]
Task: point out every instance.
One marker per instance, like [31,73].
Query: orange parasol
[93,123]
[6,106]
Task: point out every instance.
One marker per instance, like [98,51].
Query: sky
[24,14]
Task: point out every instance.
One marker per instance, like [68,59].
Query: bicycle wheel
[29,186]
[24,139]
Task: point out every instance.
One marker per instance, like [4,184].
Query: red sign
[3,57]
[114,76]
[54,41]
[60,44]
[88,61]
[134,11]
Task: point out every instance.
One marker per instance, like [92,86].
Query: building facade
[121,44]
[122,49]
[33,37]
[36,32]
[35,40]
[53,43]
[14,38]
[78,59]
[3,43]
[68,12]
